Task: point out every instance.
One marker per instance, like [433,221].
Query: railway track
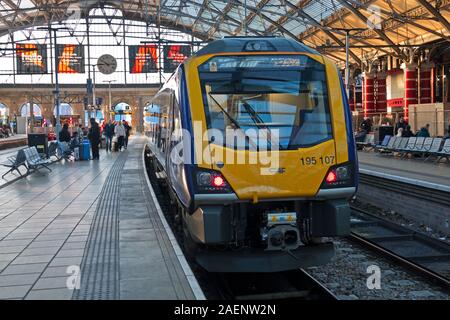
[428,193]
[418,252]
[292,285]
[303,284]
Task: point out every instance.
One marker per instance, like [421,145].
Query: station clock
[107,64]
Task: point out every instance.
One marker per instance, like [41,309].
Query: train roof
[254,44]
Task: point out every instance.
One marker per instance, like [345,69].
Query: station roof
[378,26]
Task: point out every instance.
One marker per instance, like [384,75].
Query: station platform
[13,141]
[413,171]
[95,219]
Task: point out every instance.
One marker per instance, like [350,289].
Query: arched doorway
[65,109]
[122,111]
[25,110]
[4,114]
[37,113]
[66,114]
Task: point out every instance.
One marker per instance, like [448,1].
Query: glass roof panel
[216,18]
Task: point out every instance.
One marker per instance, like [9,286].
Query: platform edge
[416,182]
[193,283]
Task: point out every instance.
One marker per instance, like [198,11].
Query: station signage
[174,55]
[143,58]
[31,58]
[71,58]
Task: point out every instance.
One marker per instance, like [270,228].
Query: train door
[175,153]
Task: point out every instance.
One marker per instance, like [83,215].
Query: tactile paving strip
[100,265]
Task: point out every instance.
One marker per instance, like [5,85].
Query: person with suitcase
[94,139]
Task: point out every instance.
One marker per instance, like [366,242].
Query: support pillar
[140,116]
[410,72]
[426,83]
[381,102]
[368,94]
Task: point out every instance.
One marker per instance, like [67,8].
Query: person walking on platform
[119,131]
[127,132]
[94,139]
[109,133]
[64,134]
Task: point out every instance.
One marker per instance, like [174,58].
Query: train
[252,137]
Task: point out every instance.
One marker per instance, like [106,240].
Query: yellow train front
[253,138]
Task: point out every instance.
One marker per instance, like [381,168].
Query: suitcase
[85,150]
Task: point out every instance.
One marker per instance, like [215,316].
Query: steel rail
[397,258]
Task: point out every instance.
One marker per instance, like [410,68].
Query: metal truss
[317,23]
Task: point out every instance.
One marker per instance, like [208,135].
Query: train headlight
[342,173]
[204,179]
[211,181]
[339,176]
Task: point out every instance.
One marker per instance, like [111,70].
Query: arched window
[122,111]
[4,111]
[25,110]
[65,109]
[122,106]
[151,113]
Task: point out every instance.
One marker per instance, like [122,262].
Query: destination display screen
[71,58]
[256,62]
[174,55]
[31,58]
[143,58]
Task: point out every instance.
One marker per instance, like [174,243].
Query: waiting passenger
[361,136]
[75,141]
[400,124]
[366,125]
[407,133]
[64,134]
[109,134]
[4,131]
[94,139]
[447,136]
[127,132]
[119,131]
[424,132]
[80,132]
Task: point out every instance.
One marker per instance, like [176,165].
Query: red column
[426,84]
[410,88]
[368,94]
[351,98]
[381,104]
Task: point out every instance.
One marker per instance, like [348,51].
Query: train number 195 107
[312,161]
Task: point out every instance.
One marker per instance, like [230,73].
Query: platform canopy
[383,26]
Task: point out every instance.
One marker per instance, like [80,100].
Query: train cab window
[284,95]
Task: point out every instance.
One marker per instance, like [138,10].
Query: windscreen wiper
[257,120]
[233,120]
